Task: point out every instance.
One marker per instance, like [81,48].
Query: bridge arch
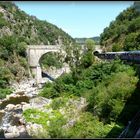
[34,53]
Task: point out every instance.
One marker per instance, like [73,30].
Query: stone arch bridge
[34,53]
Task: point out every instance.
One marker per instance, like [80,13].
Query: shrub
[88,126]
[4,92]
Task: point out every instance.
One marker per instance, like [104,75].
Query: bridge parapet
[47,47]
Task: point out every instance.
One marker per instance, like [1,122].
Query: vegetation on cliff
[96,99]
[17,30]
[124,32]
[106,86]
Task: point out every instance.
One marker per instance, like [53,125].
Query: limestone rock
[10,107]
[39,102]
[34,129]
[26,106]
[20,92]
[12,132]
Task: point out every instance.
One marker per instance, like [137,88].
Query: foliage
[18,30]
[5,76]
[3,22]
[132,42]
[88,58]
[92,76]
[109,100]
[51,59]
[41,117]
[21,49]
[107,86]
[123,33]
[89,127]
[54,123]
[4,92]
[116,48]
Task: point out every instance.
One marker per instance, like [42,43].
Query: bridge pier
[37,73]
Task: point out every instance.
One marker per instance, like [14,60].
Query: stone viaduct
[34,53]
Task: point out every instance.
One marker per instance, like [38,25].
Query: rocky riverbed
[12,121]
[11,108]
[24,96]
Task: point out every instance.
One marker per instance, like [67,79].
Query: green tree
[132,42]
[21,50]
[88,57]
[116,47]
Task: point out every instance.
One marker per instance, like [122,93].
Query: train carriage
[124,55]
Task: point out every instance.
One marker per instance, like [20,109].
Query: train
[123,55]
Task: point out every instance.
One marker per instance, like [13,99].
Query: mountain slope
[124,32]
[13,21]
[17,30]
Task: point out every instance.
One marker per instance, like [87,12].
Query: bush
[88,126]
[106,86]
[116,47]
[132,42]
[108,101]
[21,49]
[3,22]
[23,62]
[51,130]
[5,76]
[4,92]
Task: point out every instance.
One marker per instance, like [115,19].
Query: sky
[77,18]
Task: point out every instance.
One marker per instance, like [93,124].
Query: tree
[132,42]
[116,47]
[90,44]
[88,58]
[21,50]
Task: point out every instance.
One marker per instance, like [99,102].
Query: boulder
[20,92]
[10,107]
[23,103]
[39,102]
[22,121]
[12,132]
[34,129]
[21,129]
[26,106]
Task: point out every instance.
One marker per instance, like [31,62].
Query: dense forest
[97,98]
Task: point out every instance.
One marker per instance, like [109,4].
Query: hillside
[82,40]
[96,99]
[17,30]
[124,32]
[30,29]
